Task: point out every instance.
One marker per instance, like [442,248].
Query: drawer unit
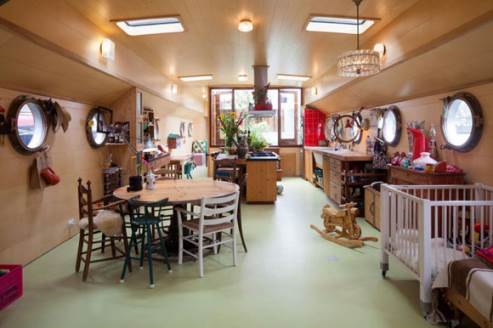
[399,175]
[335,165]
[335,192]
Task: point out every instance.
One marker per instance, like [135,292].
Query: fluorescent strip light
[289,77]
[193,78]
[242,77]
[145,26]
[338,24]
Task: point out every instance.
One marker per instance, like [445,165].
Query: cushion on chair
[194,225]
[108,222]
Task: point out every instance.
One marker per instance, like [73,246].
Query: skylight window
[145,26]
[338,24]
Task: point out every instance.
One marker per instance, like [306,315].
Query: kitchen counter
[340,173]
[342,154]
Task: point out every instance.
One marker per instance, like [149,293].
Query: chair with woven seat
[98,220]
[146,217]
[228,170]
[216,215]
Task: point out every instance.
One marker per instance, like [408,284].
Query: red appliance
[313,127]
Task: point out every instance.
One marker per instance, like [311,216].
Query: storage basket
[10,284]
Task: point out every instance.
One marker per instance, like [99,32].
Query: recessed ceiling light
[155,25]
[293,77]
[192,78]
[245,25]
[242,77]
[344,25]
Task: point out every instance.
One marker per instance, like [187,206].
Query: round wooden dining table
[180,191]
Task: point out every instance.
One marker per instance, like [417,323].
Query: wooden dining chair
[228,170]
[216,215]
[98,220]
[145,217]
[171,171]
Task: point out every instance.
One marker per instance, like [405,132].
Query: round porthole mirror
[462,122]
[29,125]
[96,127]
[391,129]
[347,129]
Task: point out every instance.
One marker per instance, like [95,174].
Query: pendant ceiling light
[359,62]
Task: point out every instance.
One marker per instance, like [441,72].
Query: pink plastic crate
[10,284]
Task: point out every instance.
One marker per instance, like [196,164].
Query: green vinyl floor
[290,277]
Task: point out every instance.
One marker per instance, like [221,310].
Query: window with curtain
[283,129]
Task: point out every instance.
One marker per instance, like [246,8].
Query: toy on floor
[341,226]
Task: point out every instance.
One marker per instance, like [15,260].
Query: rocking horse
[341,226]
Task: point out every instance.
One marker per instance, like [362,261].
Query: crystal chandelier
[359,62]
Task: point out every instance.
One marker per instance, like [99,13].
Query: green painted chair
[146,217]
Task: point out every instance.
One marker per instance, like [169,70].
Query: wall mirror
[391,126]
[29,125]
[347,129]
[462,122]
[97,124]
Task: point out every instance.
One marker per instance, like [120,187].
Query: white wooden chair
[216,215]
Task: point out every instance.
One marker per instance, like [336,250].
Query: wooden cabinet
[372,207]
[326,169]
[308,158]
[335,193]
[261,181]
[402,176]
[344,173]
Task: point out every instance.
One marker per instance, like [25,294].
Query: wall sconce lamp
[108,49]
[380,48]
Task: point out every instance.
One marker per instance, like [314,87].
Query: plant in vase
[256,142]
[230,127]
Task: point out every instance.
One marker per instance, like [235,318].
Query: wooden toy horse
[341,226]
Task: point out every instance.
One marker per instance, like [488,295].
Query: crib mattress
[405,246]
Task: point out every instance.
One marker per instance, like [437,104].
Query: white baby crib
[427,226]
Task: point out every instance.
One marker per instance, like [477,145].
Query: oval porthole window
[462,122]
[29,125]
[95,126]
[391,129]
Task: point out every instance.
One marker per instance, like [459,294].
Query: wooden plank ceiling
[213,45]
